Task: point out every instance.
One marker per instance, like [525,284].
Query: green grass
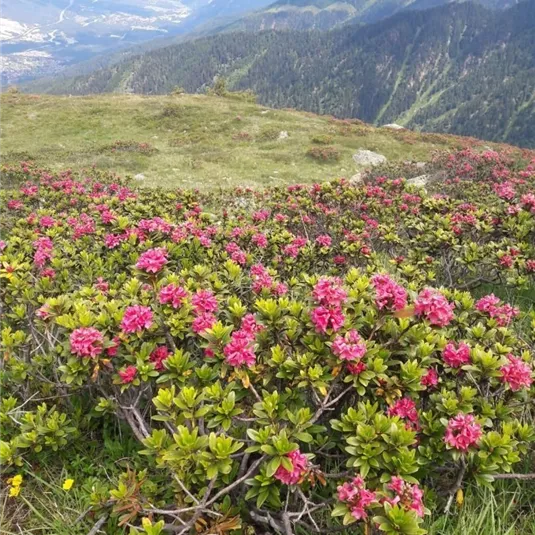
[202,141]
[44,508]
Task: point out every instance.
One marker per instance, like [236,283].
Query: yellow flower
[68,483]
[14,491]
[15,481]
[460,498]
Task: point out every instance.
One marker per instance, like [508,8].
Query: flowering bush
[271,376]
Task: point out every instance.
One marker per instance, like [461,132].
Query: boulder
[356,179]
[283,134]
[139,176]
[393,126]
[419,181]
[365,157]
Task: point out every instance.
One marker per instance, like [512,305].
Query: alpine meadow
[267,269]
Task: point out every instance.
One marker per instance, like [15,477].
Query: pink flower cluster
[349,347]
[43,251]
[431,304]
[330,296]
[356,368]
[462,432]
[456,356]
[236,254]
[329,292]
[409,496]
[240,350]
[292,250]
[324,240]
[158,356]
[299,467]
[404,408]
[204,301]
[516,374]
[260,240]
[389,294]
[502,313]
[325,317]
[136,318]
[173,294]
[152,260]
[262,280]
[86,342]
[357,497]
[430,378]
[128,374]
[204,306]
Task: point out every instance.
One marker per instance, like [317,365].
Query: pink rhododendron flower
[128,374]
[434,307]
[517,374]
[324,240]
[152,260]
[357,497]
[329,292]
[349,347]
[430,378]
[410,497]
[389,294]
[43,251]
[86,342]
[502,313]
[355,368]
[158,356]
[204,301]
[202,322]
[239,351]
[43,312]
[404,408]
[487,303]
[47,221]
[112,350]
[112,240]
[260,240]
[136,318]
[456,356]
[323,318]
[101,285]
[249,325]
[14,204]
[299,468]
[462,432]
[172,294]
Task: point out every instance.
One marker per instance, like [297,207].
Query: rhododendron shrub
[266,384]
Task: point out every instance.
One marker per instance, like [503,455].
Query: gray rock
[356,179]
[365,157]
[420,165]
[419,181]
[283,134]
[393,126]
[139,176]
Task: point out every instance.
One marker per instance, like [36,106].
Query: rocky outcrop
[368,158]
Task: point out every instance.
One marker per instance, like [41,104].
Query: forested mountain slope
[325,14]
[458,68]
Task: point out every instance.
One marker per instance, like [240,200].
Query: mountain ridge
[465,70]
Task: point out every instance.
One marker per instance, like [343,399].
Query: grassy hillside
[195,140]
[460,69]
